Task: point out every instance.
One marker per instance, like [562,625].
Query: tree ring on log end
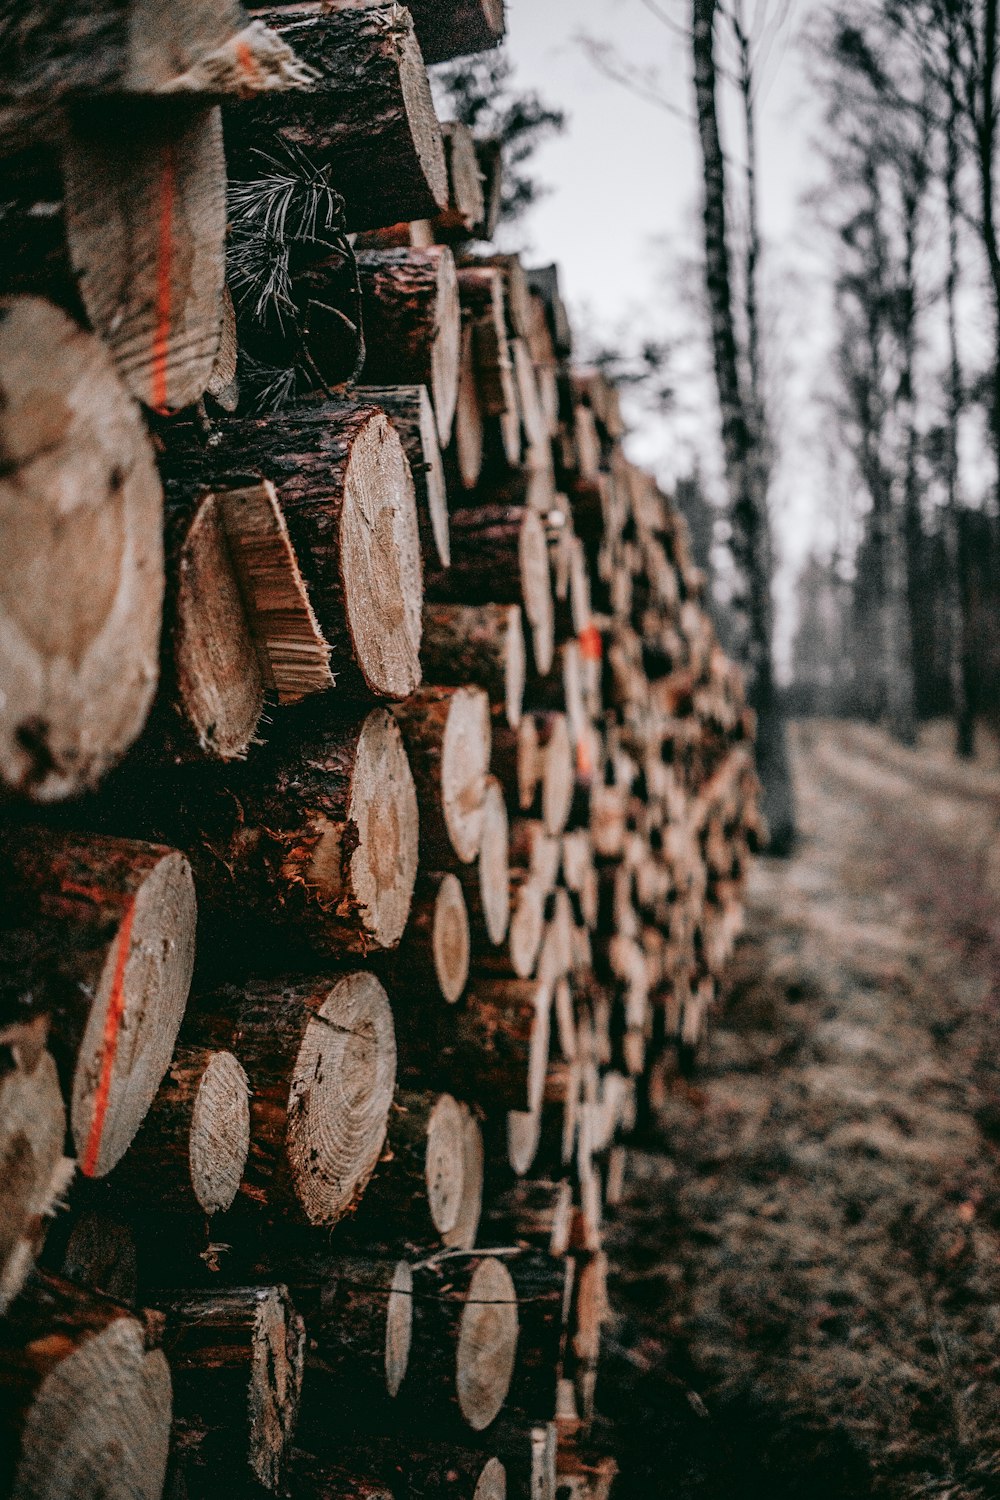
[338,1105]
[462,1235]
[220,1133]
[134,1019]
[515,665]
[450,938]
[465,760]
[444,1163]
[487,1343]
[81,535]
[276,1365]
[398,1327]
[380,562]
[32,1131]
[99,1426]
[494,863]
[383,809]
[492,1482]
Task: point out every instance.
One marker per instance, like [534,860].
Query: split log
[466,208]
[368,118]
[345,489]
[465,1335]
[81,536]
[413,324]
[482,644]
[428,1185]
[191,1151]
[412,415]
[499,553]
[236,1359]
[115,920]
[532,1211]
[434,952]
[145,218]
[447,735]
[457,28]
[321,1060]
[33,1171]
[80,1383]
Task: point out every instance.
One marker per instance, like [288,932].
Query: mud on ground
[806,1268]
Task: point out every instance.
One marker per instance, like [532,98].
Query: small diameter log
[346,491]
[486,882]
[500,553]
[412,414]
[557,778]
[457,28]
[80,1384]
[146,229]
[482,644]
[446,731]
[465,456]
[517,761]
[368,117]
[466,208]
[428,1185]
[518,958]
[433,956]
[318,838]
[321,1060]
[535,851]
[537,1212]
[81,523]
[494,1048]
[33,1171]
[465,1334]
[118,919]
[236,1359]
[191,1152]
[413,324]
[544,1286]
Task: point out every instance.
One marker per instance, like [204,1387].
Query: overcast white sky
[624,204]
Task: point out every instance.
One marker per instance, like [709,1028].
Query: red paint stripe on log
[112,1025]
[164,280]
[589,641]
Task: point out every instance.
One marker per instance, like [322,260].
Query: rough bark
[432,959]
[447,735]
[33,1171]
[412,414]
[466,207]
[482,644]
[413,324]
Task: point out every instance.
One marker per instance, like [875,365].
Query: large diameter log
[465,1334]
[466,207]
[81,536]
[317,838]
[191,1152]
[433,956]
[413,324]
[86,1408]
[236,1357]
[119,922]
[500,553]
[33,1171]
[479,643]
[146,228]
[412,414]
[368,118]
[321,1060]
[346,492]
[447,735]
[457,28]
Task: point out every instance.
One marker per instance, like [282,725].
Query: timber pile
[395,682]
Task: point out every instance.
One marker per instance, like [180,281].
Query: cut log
[486,882]
[428,1186]
[447,736]
[33,1171]
[321,1060]
[146,227]
[116,919]
[466,208]
[79,1385]
[483,644]
[535,851]
[318,838]
[236,1358]
[368,118]
[544,1286]
[557,778]
[81,536]
[434,953]
[532,1211]
[517,761]
[465,1334]
[191,1152]
[413,325]
[457,28]
[494,1049]
[412,415]
[465,457]
[346,492]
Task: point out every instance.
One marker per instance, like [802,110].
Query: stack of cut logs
[399,678]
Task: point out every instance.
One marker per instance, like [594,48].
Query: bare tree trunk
[745,475]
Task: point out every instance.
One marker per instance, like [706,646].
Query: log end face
[220,1133]
[492,1482]
[450,938]
[444,1163]
[494,863]
[383,808]
[487,1344]
[398,1327]
[446,355]
[425,130]
[465,759]
[515,665]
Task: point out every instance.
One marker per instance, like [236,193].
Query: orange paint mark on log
[589,642]
[109,1045]
[246,63]
[164,280]
[584,763]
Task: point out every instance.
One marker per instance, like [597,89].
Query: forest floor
[806,1265]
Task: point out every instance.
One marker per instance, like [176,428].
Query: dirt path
[807,1264]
